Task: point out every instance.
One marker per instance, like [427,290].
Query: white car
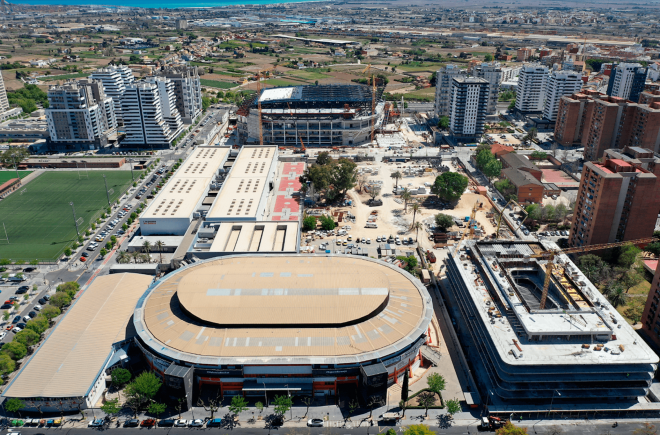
[16,330]
[181,423]
[368,241]
[3,334]
[196,423]
[37,308]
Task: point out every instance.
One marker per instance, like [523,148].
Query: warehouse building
[259,324]
[68,371]
[576,354]
[324,115]
[173,209]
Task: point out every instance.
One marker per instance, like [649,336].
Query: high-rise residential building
[651,314]
[598,122]
[115,80]
[627,81]
[559,84]
[618,198]
[531,88]
[444,77]
[187,89]
[4,103]
[80,113]
[469,100]
[171,114]
[492,73]
[144,123]
[509,73]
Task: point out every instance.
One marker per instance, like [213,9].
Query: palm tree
[146,246]
[160,245]
[617,295]
[135,255]
[417,226]
[123,257]
[397,176]
[415,207]
[406,196]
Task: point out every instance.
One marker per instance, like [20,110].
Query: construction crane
[259,75]
[302,146]
[550,255]
[471,223]
[373,101]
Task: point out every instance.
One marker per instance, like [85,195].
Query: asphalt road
[582,427]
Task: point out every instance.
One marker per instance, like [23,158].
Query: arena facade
[306,325]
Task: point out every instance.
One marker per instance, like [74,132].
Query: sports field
[8,175]
[39,219]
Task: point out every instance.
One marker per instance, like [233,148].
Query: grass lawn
[426,94]
[282,82]
[217,84]
[40,223]
[65,77]
[8,175]
[309,75]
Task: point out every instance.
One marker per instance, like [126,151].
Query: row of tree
[487,163]
[548,213]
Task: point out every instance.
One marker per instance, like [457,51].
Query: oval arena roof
[261,308]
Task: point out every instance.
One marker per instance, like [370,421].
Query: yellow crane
[259,75]
[550,255]
[471,223]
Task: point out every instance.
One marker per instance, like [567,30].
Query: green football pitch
[39,219]
[8,175]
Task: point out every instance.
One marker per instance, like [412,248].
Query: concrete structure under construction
[575,354]
[324,115]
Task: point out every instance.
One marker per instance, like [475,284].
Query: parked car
[196,423]
[24,287]
[97,422]
[315,422]
[83,259]
[166,423]
[16,319]
[43,301]
[47,297]
[216,422]
[3,334]
[29,269]
[22,290]
[149,422]
[6,306]
[27,318]
[181,423]
[37,307]
[85,254]
[133,422]
[16,330]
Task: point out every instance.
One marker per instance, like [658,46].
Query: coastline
[175,4]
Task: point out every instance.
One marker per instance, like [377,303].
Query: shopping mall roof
[323,309]
[70,360]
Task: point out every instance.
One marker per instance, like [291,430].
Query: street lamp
[75,220]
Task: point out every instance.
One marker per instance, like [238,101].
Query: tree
[561,212]
[415,208]
[631,278]
[628,255]
[60,300]
[309,223]
[14,350]
[103,252]
[406,196]
[39,324]
[323,158]
[531,134]
[488,57]
[397,176]
[403,404]
[282,404]
[617,296]
[50,312]
[453,406]
[259,406]
[352,407]
[238,405]
[510,429]
[405,389]
[373,402]
[591,265]
[436,383]
[13,156]
[123,257]
[362,180]
[142,389]
[27,337]
[120,377]
[307,401]
[484,156]
[444,221]
[111,407]
[14,405]
[426,400]
[7,365]
[157,409]
[159,245]
[374,192]
[416,227]
[450,186]
[443,122]
[418,429]
[492,169]
[327,223]
[67,252]
[343,176]
[653,248]
[6,316]
[70,287]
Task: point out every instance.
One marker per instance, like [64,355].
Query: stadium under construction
[569,352]
[319,116]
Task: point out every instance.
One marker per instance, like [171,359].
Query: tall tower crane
[550,255]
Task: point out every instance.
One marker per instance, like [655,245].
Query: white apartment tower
[531,88]
[559,84]
[469,100]
[187,89]
[115,80]
[444,78]
[80,113]
[492,73]
[171,114]
[144,123]
[4,103]
[627,81]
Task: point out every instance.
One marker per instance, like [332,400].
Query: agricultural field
[39,219]
[8,175]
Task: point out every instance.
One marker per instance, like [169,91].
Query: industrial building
[68,371]
[324,115]
[172,210]
[574,354]
[259,324]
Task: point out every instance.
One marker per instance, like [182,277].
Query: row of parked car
[151,422]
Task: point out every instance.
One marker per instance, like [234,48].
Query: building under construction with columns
[570,352]
[320,116]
